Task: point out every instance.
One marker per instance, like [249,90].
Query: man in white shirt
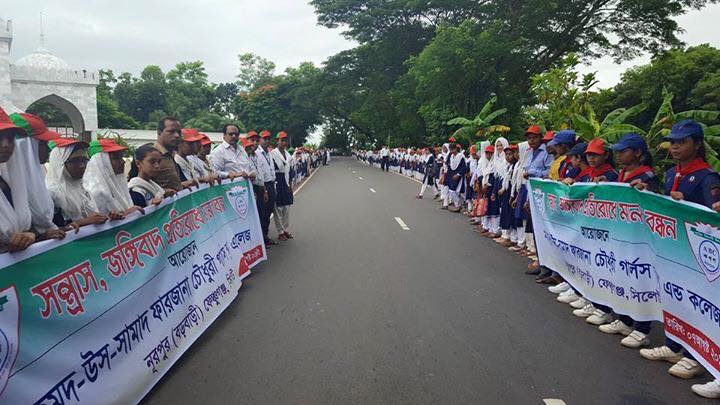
[229,160]
[266,174]
[384,156]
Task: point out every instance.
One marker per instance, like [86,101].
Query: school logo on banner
[9,333]
[238,197]
[539,198]
[705,243]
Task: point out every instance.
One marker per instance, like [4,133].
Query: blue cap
[566,137]
[578,150]
[630,141]
[686,129]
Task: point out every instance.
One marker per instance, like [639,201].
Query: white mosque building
[43,77]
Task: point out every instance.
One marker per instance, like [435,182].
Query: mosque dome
[42,59]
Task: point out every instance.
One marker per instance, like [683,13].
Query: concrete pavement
[356,309]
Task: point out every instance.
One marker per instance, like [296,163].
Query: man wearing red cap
[537,166]
[268,175]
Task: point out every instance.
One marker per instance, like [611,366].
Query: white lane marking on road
[353,171]
[373,190]
[402,224]
[551,401]
[360,178]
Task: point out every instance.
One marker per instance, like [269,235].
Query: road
[356,309]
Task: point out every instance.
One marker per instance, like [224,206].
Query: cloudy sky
[128,35]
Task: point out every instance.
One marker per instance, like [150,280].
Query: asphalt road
[357,310]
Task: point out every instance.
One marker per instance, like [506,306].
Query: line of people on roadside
[51,185]
[488,183]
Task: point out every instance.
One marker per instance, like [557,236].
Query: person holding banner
[537,166]
[268,174]
[74,206]
[15,219]
[228,160]
[633,154]
[143,190]
[34,152]
[104,179]
[692,180]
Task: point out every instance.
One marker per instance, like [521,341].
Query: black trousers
[384,165]
[259,192]
[269,208]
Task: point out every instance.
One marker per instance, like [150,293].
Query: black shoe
[544,274]
[533,272]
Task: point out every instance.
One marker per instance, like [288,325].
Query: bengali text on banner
[640,253]
[100,317]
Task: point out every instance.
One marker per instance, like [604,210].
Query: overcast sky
[128,35]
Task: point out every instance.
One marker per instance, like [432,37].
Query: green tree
[188,90]
[481,126]
[255,71]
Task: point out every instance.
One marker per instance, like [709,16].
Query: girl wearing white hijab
[519,196]
[34,152]
[477,178]
[493,179]
[455,179]
[104,178]
[15,217]
[74,206]
[429,178]
[444,153]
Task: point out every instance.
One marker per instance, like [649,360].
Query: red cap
[282,135]
[596,146]
[534,130]
[251,134]
[549,135]
[104,145]
[6,123]
[191,135]
[473,149]
[65,142]
[247,142]
[265,134]
[205,140]
[452,139]
[511,147]
[490,149]
[38,129]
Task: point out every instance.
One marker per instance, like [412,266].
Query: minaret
[6,38]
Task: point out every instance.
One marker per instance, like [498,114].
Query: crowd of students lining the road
[52,185]
[488,183]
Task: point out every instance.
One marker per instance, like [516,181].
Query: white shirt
[225,159]
[283,161]
[267,169]
[384,152]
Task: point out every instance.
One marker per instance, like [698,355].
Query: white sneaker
[568,297]
[686,369]
[661,353]
[708,390]
[616,327]
[560,288]
[599,317]
[585,311]
[579,303]
[635,340]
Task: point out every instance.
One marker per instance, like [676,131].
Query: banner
[640,253]
[101,316]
